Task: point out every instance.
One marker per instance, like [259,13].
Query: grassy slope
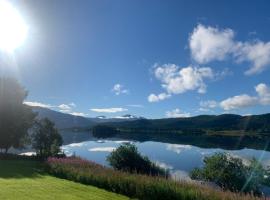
[23,180]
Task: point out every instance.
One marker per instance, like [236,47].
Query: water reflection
[180,159]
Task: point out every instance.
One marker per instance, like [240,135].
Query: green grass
[25,180]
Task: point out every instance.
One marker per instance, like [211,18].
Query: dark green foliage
[128,159]
[103,131]
[46,139]
[231,173]
[15,117]
[199,124]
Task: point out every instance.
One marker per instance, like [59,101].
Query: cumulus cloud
[209,44]
[239,101]
[264,93]
[38,104]
[108,110]
[176,80]
[258,53]
[244,100]
[159,97]
[119,89]
[176,113]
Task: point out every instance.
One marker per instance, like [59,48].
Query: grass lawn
[24,180]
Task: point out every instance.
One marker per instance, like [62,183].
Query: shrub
[127,158]
[231,173]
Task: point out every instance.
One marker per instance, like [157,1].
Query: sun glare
[13,30]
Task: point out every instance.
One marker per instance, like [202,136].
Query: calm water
[179,158]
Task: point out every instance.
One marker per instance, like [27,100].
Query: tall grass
[135,185]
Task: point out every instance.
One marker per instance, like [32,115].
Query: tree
[15,117]
[127,158]
[232,173]
[46,139]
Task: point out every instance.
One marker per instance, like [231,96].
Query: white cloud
[80,114]
[76,144]
[178,148]
[239,101]
[209,44]
[244,100]
[119,89]
[176,113]
[64,107]
[208,104]
[108,110]
[264,93]
[159,97]
[38,104]
[176,80]
[164,165]
[68,108]
[72,104]
[102,149]
[258,53]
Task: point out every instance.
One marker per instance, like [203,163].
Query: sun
[13,30]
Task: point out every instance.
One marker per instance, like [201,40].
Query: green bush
[231,173]
[128,159]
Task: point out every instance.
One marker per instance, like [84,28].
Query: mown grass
[25,180]
[134,185]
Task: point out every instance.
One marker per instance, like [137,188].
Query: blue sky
[149,58]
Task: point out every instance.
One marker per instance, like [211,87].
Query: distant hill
[66,121]
[62,120]
[201,124]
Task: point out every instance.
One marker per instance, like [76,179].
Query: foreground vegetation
[135,185]
[23,179]
[127,158]
[232,173]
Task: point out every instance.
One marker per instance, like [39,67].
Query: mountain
[128,116]
[201,124]
[62,120]
[66,121]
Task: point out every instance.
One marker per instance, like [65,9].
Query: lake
[179,158]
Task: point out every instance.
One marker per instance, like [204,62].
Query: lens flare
[13,30]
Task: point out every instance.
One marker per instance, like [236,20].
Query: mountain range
[214,123]
[66,121]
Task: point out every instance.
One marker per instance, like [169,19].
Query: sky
[149,58]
